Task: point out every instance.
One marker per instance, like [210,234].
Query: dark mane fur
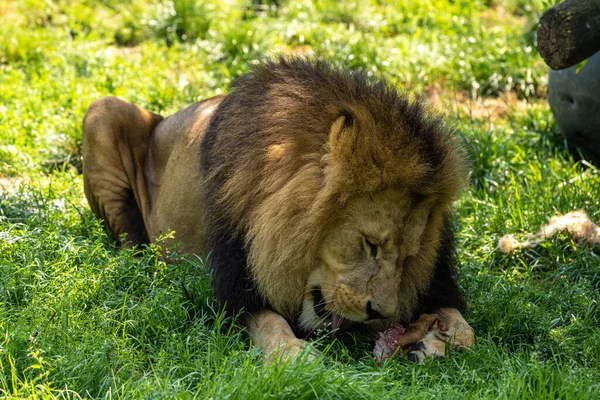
[300,98]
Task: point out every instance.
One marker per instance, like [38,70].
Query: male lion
[322,197]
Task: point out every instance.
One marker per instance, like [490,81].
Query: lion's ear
[342,131]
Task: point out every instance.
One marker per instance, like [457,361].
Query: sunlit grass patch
[80,319]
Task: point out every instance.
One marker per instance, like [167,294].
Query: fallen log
[569,33]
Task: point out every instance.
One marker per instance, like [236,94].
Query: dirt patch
[496,15]
[124,52]
[463,104]
[299,51]
[9,184]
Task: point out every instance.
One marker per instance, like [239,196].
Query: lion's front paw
[426,348]
[271,333]
[451,329]
[291,349]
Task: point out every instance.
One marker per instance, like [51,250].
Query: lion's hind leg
[116,137]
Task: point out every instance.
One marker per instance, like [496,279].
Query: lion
[322,198]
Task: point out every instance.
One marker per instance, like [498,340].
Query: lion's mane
[275,180]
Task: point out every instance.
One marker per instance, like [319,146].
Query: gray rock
[575,103]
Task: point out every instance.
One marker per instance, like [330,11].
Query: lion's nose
[372,312]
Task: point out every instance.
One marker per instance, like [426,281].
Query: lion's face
[362,259]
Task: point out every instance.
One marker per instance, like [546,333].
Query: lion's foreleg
[457,329]
[270,332]
[452,330]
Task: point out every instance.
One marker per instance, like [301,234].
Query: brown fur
[296,163]
[316,164]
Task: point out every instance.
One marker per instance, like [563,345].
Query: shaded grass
[80,319]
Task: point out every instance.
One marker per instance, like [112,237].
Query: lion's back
[175,181]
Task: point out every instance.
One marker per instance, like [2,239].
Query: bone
[579,225]
[393,340]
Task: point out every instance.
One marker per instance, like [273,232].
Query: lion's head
[362,257]
[339,187]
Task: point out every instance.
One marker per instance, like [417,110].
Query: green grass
[78,319]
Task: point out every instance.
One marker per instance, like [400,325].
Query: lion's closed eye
[371,249]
